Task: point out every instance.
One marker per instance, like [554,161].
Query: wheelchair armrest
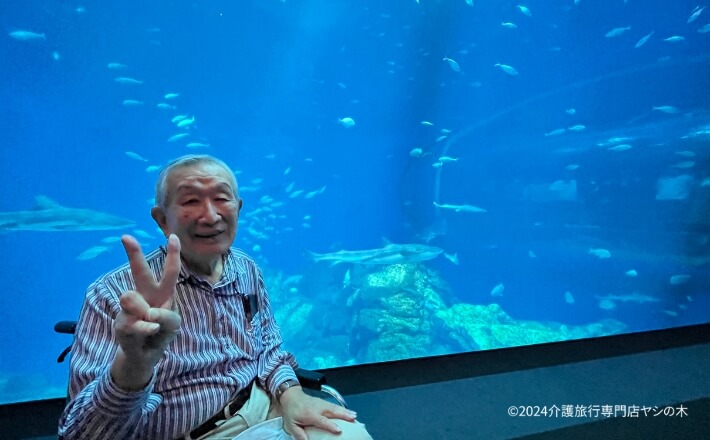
[68,327]
[310,379]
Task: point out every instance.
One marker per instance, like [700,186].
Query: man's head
[197,199]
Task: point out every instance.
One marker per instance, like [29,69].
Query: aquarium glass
[419,177]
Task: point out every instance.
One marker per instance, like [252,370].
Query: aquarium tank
[419,177]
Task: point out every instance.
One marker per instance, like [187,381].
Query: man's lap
[260,419]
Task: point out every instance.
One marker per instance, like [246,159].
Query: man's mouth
[208,234]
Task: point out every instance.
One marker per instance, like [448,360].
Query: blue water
[267,82]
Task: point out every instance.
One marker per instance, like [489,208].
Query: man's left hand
[301,410]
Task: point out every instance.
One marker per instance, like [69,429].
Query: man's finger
[338,412]
[297,432]
[171,269]
[145,283]
[325,423]
[133,304]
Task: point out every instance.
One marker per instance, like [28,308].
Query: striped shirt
[224,343]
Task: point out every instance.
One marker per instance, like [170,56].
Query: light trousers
[260,419]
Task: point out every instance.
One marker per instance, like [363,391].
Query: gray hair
[188,160]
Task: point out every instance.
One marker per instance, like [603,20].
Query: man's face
[202,209]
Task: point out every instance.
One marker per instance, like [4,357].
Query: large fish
[50,216]
[389,254]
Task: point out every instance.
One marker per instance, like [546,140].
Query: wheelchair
[313,382]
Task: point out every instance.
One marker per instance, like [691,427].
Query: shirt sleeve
[97,406]
[275,365]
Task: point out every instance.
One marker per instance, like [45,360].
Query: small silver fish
[507,69]
[26,35]
[453,64]
[126,80]
[135,156]
[617,31]
[643,40]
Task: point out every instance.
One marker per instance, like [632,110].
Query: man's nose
[210,213]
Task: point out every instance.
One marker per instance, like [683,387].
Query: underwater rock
[490,327]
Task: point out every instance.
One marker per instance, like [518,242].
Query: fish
[555,132]
[570,111]
[50,216]
[705,29]
[469,2]
[453,64]
[426,123]
[696,12]
[674,39]
[617,31]
[171,95]
[186,122]
[132,103]
[178,118]
[391,253]
[569,299]
[643,40]
[346,122]
[437,164]
[524,10]
[685,164]
[620,147]
[92,252]
[679,279]
[454,258]
[599,253]
[578,127]
[498,290]
[506,68]
[142,233]
[197,145]
[177,137]
[633,297]
[607,304]
[116,66]
[135,156]
[27,35]
[669,109]
[165,106]
[416,152]
[631,273]
[509,25]
[153,168]
[444,159]
[346,279]
[460,208]
[126,80]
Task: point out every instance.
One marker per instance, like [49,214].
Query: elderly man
[182,342]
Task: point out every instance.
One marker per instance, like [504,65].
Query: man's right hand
[147,322]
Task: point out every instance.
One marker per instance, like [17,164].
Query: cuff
[280,375]
[109,398]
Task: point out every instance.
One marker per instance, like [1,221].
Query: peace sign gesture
[148,321]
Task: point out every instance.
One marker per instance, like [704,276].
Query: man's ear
[159,216]
[239,208]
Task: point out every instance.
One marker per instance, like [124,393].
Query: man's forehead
[201,175]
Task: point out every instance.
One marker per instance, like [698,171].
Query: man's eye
[189,202]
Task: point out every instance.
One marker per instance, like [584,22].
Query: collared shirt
[228,337]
